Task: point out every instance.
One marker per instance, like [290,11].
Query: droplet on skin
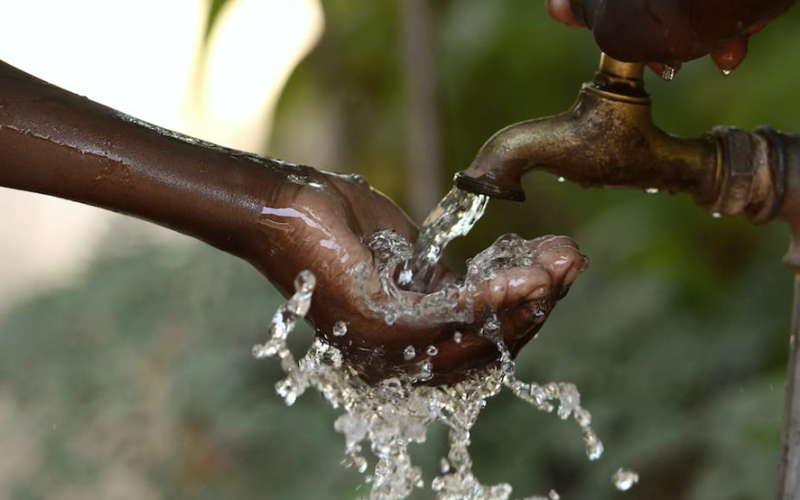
[716,215]
[340,329]
[409,353]
[458,337]
[562,180]
[432,350]
[651,190]
[624,479]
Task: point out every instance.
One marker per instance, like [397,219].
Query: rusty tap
[608,139]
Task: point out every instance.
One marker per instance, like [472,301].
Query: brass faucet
[608,139]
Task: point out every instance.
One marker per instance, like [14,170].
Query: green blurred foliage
[676,335]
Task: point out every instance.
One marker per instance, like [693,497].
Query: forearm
[57,143]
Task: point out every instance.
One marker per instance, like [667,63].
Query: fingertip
[656,68]
[561,11]
[731,55]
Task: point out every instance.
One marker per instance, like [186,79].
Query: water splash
[390,250]
[397,412]
[454,216]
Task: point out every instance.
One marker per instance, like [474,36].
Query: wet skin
[671,31]
[329,217]
[281,218]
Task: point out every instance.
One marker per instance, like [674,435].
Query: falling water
[390,415]
[454,216]
[396,412]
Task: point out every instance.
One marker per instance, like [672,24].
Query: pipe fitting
[751,173]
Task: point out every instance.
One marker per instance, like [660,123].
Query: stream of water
[383,419]
[453,217]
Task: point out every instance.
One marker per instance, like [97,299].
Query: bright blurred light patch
[253,48]
[144,58]
[135,56]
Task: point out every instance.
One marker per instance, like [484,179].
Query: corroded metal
[608,139]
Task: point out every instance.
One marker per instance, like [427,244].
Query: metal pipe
[608,139]
[789,468]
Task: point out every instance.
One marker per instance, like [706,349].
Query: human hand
[329,225]
[670,32]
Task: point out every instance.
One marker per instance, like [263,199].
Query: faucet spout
[606,139]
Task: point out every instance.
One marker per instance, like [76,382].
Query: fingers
[661,32]
[513,282]
[561,11]
[731,54]
[556,264]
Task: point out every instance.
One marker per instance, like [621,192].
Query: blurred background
[125,367]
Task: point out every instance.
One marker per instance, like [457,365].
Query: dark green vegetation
[141,375]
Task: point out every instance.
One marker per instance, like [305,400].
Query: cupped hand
[328,224]
[670,32]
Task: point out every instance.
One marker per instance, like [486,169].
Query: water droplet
[553,495]
[716,215]
[425,372]
[287,390]
[458,337]
[340,329]
[432,350]
[562,180]
[358,179]
[491,328]
[726,72]
[651,190]
[624,479]
[305,282]
[669,73]
[444,466]
[594,447]
[409,353]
